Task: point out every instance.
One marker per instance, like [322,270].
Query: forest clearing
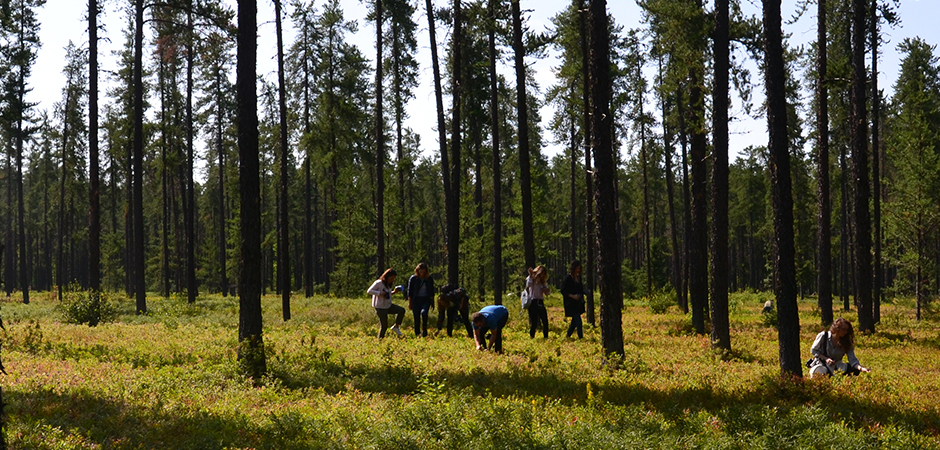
[168,379]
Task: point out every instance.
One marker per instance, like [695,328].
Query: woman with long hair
[829,348]
[381,292]
[537,285]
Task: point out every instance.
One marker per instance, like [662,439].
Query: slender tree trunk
[477,136]
[251,344]
[859,122]
[453,213]
[60,259]
[784,252]
[676,272]
[687,203]
[648,256]
[379,142]
[189,190]
[721,332]
[522,115]
[220,149]
[573,194]
[164,179]
[283,249]
[20,137]
[824,212]
[442,137]
[698,235]
[497,170]
[876,165]
[605,194]
[589,224]
[845,237]
[137,164]
[94,208]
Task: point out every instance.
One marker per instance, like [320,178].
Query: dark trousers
[383,317]
[537,314]
[462,315]
[420,306]
[576,325]
[498,341]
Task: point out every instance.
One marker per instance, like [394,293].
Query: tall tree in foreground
[379,143]
[784,252]
[589,223]
[441,137]
[721,333]
[605,193]
[493,7]
[251,343]
[859,133]
[824,210]
[522,117]
[94,209]
[453,211]
[283,248]
[137,165]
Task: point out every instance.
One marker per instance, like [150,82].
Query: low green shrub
[90,307]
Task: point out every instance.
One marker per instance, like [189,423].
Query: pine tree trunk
[698,233]
[608,238]
[676,277]
[137,165]
[860,173]
[784,252]
[589,224]
[189,190]
[220,149]
[721,332]
[283,249]
[441,136]
[94,208]
[453,213]
[824,212]
[687,203]
[497,170]
[379,143]
[876,166]
[522,115]
[251,344]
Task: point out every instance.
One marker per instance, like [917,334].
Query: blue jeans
[576,325]
[420,307]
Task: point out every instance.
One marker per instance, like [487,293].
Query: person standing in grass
[420,293]
[572,290]
[829,348]
[490,319]
[381,292]
[537,285]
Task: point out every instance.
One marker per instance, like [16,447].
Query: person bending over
[490,319]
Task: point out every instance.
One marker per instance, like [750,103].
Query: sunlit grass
[169,380]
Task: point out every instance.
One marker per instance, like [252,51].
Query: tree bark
[876,166]
[522,116]
[251,344]
[283,249]
[189,190]
[721,332]
[589,224]
[698,233]
[137,165]
[379,143]
[605,193]
[824,212]
[497,158]
[453,213]
[859,123]
[94,207]
[441,135]
[784,253]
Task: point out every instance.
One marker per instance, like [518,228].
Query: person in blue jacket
[420,293]
[490,319]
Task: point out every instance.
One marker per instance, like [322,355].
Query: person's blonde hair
[539,274]
[422,266]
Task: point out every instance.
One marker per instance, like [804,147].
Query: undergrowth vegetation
[169,379]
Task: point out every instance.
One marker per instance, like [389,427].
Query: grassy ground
[169,380]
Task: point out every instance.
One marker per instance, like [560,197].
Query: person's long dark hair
[847,342]
[573,266]
[388,273]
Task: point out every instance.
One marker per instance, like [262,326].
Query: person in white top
[537,285]
[829,348]
[381,292]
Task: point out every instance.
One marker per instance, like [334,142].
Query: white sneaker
[396,330]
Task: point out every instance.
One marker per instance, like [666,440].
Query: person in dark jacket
[572,290]
[454,304]
[421,297]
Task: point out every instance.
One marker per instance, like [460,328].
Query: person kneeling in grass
[829,348]
[490,319]
[381,292]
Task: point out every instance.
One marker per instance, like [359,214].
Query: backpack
[525,299]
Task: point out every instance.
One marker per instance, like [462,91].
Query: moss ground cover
[169,380]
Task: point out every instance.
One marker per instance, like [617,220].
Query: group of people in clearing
[486,326]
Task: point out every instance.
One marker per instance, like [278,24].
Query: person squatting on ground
[490,319]
[420,294]
[829,348]
[572,290]
[454,303]
[381,292]
[537,285]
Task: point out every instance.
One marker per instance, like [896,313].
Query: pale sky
[64,20]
